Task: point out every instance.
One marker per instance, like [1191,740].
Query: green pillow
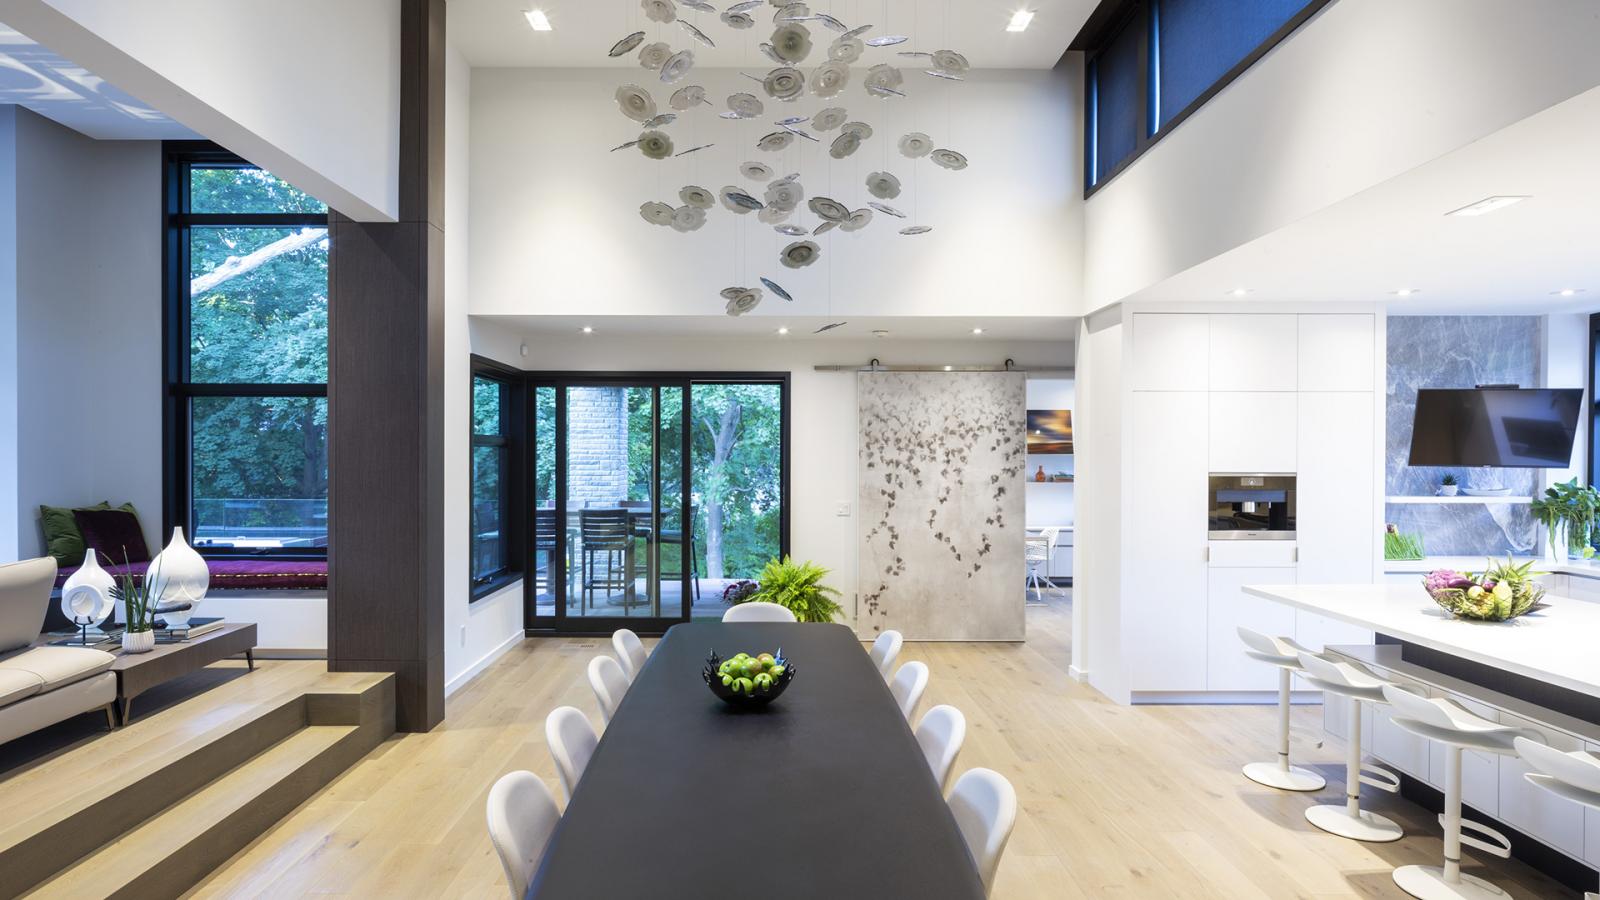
[62,538]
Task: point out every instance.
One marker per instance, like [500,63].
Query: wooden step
[169,853]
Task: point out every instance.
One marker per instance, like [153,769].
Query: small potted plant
[798,587]
[138,599]
[1448,486]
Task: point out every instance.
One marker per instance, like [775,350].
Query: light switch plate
[842,509]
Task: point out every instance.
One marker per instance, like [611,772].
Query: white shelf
[1032,483]
[1459,498]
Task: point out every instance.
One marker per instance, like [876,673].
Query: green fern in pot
[799,588]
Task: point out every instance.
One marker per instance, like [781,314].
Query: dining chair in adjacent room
[885,650]
[941,733]
[572,741]
[605,531]
[758,611]
[610,683]
[522,816]
[630,652]
[1038,554]
[985,806]
[908,685]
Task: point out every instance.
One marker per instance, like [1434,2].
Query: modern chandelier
[788,47]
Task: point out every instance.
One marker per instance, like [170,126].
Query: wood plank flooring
[1117,802]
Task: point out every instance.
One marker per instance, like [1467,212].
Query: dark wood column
[386,406]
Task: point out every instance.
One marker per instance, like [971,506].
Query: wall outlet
[842,509]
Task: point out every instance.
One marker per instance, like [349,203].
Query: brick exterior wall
[597,446]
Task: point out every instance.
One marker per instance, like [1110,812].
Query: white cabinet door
[1170,351]
[1336,352]
[1336,513]
[1227,668]
[1534,810]
[1397,747]
[1480,772]
[1254,352]
[1252,431]
[1582,587]
[1164,607]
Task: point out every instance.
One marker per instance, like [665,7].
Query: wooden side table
[139,672]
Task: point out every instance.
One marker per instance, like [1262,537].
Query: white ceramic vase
[138,641]
[180,575]
[87,592]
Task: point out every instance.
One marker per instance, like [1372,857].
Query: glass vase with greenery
[798,587]
[1569,508]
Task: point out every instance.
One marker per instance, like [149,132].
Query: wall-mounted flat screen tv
[1506,427]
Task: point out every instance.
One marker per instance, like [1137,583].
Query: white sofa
[40,686]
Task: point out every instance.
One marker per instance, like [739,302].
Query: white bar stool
[1455,727]
[1350,820]
[1285,654]
[1572,776]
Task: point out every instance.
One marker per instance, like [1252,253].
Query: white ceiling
[801,328]
[1396,235]
[495,33]
[33,77]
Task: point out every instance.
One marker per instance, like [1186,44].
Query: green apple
[763,681]
[765,657]
[777,672]
[746,685]
[727,680]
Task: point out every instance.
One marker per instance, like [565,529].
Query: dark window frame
[1102,27]
[514,482]
[1592,463]
[177,392]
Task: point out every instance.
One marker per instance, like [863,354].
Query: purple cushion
[115,533]
[243,574]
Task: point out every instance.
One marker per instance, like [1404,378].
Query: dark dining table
[823,793]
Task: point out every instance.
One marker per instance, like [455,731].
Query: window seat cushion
[243,574]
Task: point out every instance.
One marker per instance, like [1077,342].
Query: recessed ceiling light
[977,331]
[1487,205]
[588,330]
[1020,20]
[783,330]
[538,19]
[879,333]
[1568,292]
[1405,292]
[1238,292]
[948,368]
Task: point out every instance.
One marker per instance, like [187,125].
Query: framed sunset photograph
[1049,431]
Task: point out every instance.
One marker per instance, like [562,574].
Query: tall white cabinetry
[1271,393]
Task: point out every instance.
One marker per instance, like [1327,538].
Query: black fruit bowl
[759,697]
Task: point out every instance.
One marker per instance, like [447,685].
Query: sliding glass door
[650,495]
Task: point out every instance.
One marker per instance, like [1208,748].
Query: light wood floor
[1117,802]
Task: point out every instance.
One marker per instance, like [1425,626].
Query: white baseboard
[483,662]
[1222,698]
[1079,675]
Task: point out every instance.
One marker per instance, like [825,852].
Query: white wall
[308,89]
[88,295]
[558,230]
[475,633]
[822,406]
[1097,538]
[1366,91]
[10,365]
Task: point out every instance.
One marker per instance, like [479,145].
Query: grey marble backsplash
[1457,352]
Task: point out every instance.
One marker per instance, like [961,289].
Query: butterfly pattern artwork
[942,464]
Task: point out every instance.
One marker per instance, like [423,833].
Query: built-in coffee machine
[1251,507]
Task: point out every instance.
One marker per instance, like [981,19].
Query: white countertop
[1589,568]
[1554,645]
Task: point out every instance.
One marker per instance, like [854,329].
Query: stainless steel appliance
[1250,507]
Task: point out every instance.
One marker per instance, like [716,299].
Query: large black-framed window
[245,357]
[496,477]
[1150,64]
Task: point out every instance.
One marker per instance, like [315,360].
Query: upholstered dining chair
[908,685]
[610,684]
[522,816]
[572,741]
[758,611]
[940,734]
[985,806]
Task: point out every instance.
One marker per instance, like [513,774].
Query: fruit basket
[752,681]
[1501,593]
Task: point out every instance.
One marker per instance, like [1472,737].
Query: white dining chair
[941,733]
[630,652]
[1037,553]
[985,806]
[885,650]
[522,816]
[758,611]
[572,741]
[610,684]
[908,685]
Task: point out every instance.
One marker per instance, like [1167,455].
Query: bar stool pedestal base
[1363,826]
[1427,883]
[1293,778]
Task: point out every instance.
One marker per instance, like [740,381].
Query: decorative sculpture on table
[179,581]
[788,47]
[86,596]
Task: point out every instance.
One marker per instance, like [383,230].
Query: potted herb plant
[799,588]
[1569,510]
[1448,486]
[138,599]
